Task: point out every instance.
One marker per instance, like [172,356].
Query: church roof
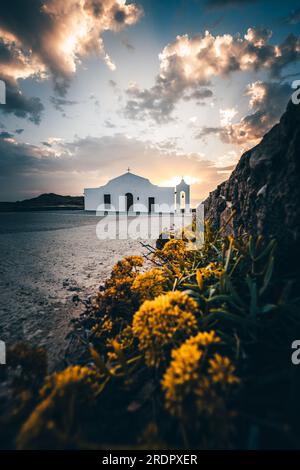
[129,176]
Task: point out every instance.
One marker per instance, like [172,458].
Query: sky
[168,88]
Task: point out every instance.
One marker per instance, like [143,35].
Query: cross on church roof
[128,169]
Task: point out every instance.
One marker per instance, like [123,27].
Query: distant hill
[43,202]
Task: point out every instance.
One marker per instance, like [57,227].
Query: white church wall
[140,188]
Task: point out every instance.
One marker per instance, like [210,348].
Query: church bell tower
[182,197]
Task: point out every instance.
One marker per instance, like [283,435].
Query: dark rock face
[264,189]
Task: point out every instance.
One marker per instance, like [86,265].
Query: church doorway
[129,201]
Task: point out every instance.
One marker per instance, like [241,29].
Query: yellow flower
[66,397]
[173,255]
[174,249]
[124,341]
[60,382]
[222,370]
[148,285]
[165,321]
[211,272]
[192,378]
[103,328]
[116,296]
[126,267]
[181,377]
[204,339]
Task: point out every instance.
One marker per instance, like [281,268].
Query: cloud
[52,37]
[20,105]
[6,135]
[128,45]
[189,64]
[227,115]
[267,102]
[13,66]
[93,98]
[60,103]
[198,94]
[109,124]
[207,131]
[112,83]
[216,4]
[68,167]
[292,18]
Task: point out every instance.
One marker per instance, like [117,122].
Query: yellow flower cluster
[64,395]
[221,370]
[174,249]
[211,272]
[103,328]
[151,284]
[59,382]
[204,339]
[173,257]
[165,321]
[126,267]
[124,340]
[192,378]
[117,296]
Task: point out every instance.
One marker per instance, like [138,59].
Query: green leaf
[268,308]
[268,276]
[253,296]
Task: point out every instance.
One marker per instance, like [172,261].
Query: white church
[133,194]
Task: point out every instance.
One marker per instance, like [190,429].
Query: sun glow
[177,179]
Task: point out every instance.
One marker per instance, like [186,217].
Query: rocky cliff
[264,189]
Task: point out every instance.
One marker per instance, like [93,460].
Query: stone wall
[264,190]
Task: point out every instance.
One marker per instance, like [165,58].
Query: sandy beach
[49,263]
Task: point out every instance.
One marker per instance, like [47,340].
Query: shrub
[197,384]
[164,322]
[151,284]
[66,399]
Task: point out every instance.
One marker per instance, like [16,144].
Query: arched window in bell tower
[182,194]
[182,199]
